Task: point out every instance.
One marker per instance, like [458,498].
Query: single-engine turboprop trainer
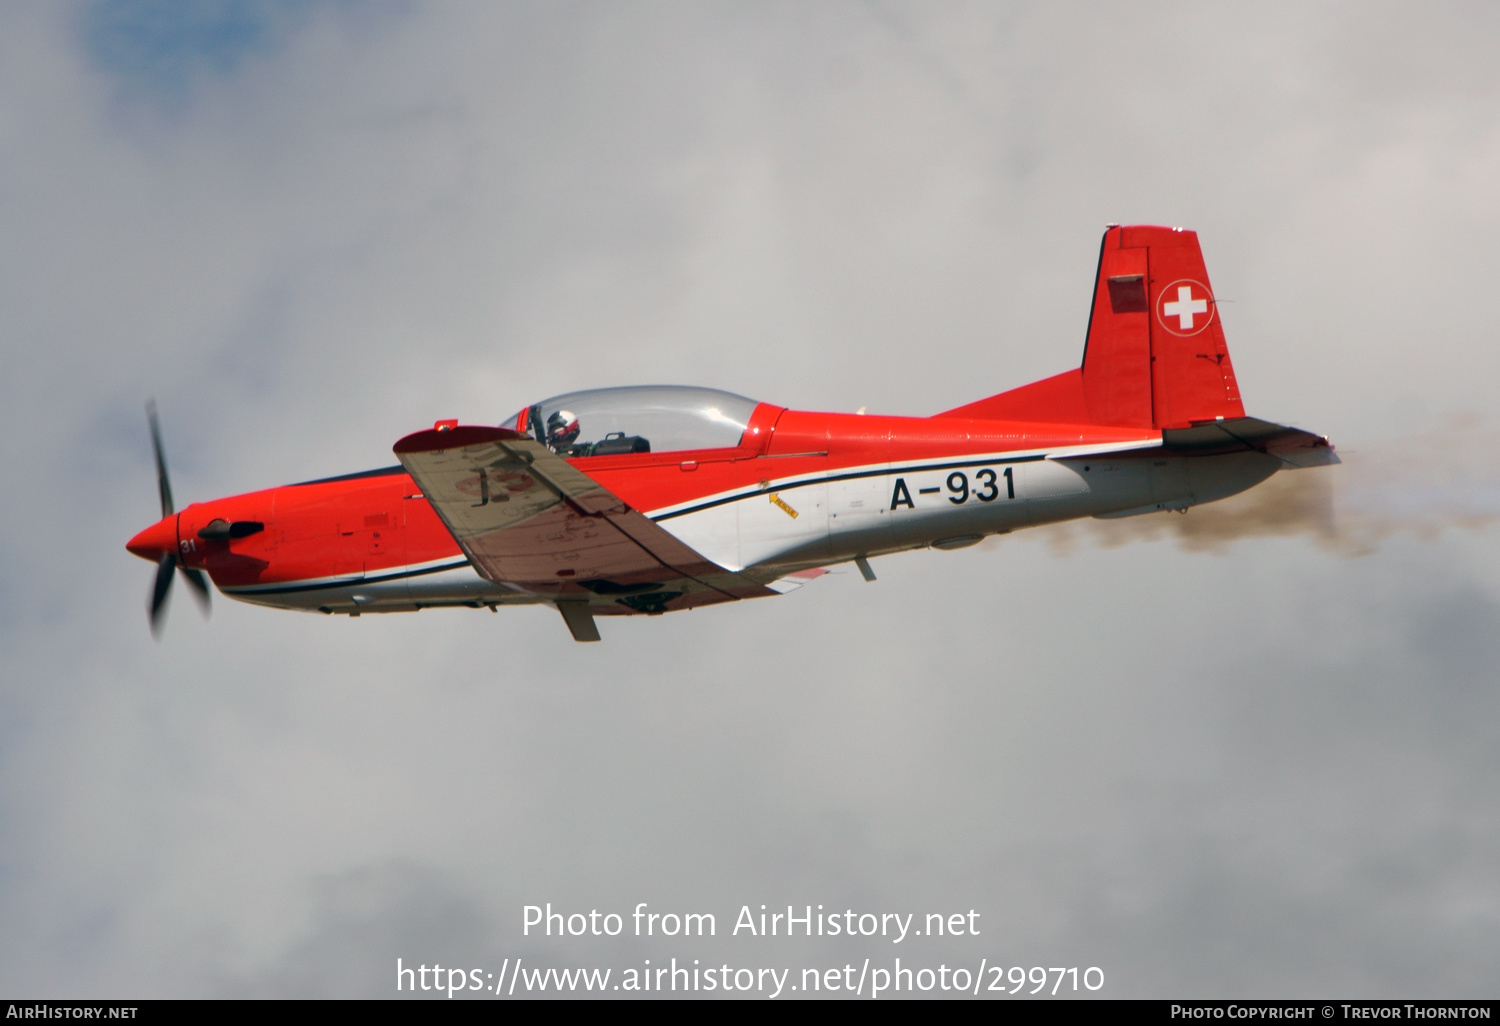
[646,500]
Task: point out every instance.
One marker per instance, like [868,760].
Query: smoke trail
[1291,503]
[1421,485]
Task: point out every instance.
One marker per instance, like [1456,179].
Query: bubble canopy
[647,418]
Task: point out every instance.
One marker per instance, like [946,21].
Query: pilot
[562,432]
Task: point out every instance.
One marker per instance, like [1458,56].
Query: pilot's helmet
[562,429]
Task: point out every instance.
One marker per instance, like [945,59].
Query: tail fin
[1155,356]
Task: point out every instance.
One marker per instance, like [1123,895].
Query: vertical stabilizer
[1155,356]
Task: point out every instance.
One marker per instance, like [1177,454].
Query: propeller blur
[159,541]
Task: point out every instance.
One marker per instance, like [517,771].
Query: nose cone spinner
[155,541]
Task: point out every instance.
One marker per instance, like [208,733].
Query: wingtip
[455,436]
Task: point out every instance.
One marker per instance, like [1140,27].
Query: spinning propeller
[167,563]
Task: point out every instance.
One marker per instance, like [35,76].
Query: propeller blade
[163,587]
[200,587]
[163,485]
[167,566]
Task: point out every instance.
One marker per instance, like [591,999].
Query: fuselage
[800,490]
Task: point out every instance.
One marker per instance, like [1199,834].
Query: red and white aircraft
[627,501]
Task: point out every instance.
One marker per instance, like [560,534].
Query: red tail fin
[1155,356]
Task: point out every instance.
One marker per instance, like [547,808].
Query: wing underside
[529,520]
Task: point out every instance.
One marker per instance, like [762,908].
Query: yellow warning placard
[777,500]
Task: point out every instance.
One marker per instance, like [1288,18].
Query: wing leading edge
[529,520]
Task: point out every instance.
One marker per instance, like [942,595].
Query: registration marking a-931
[986,486]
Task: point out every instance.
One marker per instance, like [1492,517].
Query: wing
[530,520]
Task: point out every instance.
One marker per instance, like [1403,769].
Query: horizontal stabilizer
[1293,446]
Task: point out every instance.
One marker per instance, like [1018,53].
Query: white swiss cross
[1184,307]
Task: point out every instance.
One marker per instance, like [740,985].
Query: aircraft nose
[156,540]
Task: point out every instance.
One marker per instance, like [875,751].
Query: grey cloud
[363,920]
[1259,769]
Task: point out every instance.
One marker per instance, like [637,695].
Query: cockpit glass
[651,418]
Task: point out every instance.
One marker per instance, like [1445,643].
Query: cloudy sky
[1266,765]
